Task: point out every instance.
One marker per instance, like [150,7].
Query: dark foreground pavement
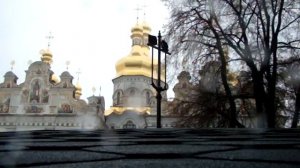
[165,148]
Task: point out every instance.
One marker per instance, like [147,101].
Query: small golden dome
[137,29]
[55,79]
[146,28]
[78,91]
[146,32]
[46,56]
[78,86]
[232,78]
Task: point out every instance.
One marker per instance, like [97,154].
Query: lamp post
[161,46]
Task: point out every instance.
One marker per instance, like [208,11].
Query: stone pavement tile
[34,158]
[188,150]
[171,163]
[258,155]
[245,142]
[152,148]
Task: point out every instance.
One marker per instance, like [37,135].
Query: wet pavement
[152,148]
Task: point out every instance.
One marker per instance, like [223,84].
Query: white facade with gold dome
[44,101]
[134,99]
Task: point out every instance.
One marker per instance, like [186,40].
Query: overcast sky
[91,34]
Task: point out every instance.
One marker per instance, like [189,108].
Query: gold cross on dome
[78,73]
[144,8]
[137,13]
[49,37]
[29,62]
[93,90]
[67,64]
[12,64]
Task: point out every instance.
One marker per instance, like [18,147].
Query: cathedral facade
[134,99]
[43,102]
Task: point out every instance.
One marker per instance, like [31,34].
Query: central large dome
[138,62]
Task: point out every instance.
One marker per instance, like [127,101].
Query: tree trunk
[260,98]
[233,122]
[270,105]
[297,109]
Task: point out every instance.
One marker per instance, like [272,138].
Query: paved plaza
[277,148]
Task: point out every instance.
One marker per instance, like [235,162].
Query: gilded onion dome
[232,78]
[138,61]
[46,56]
[146,32]
[55,79]
[146,28]
[78,91]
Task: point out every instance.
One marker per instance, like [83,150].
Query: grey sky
[91,34]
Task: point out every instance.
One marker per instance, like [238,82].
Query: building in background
[47,102]
[134,99]
[44,102]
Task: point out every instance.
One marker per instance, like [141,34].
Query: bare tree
[292,86]
[259,34]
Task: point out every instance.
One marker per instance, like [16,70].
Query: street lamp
[161,46]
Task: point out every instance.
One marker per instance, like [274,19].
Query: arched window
[118,98]
[147,98]
[129,125]
[132,92]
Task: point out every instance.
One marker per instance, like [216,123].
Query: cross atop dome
[49,37]
[78,73]
[141,8]
[137,13]
[68,64]
[46,53]
[12,64]
[144,9]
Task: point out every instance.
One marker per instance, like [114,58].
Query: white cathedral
[42,102]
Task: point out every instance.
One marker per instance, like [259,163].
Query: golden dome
[78,86]
[138,61]
[134,64]
[55,79]
[78,91]
[46,56]
[232,78]
[146,28]
[146,32]
[137,30]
